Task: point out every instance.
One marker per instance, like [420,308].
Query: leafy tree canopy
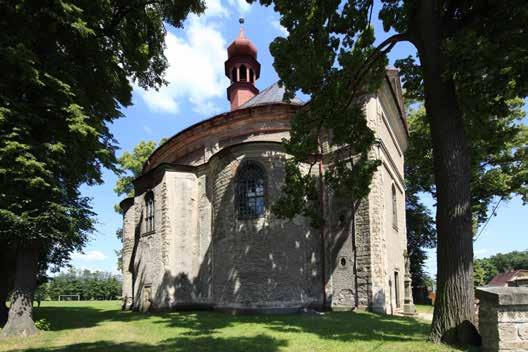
[88,284]
[499,169]
[67,69]
[499,158]
[131,164]
[487,268]
[471,67]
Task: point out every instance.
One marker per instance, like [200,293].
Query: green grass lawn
[101,326]
[424,308]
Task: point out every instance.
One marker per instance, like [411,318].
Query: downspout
[354,253]
[322,205]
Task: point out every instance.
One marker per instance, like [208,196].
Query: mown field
[102,326]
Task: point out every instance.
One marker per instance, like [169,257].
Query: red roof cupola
[242,68]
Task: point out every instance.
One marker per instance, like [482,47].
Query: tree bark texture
[454,312]
[7,268]
[20,320]
[3,299]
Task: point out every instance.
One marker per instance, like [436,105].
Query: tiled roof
[272,94]
[504,278]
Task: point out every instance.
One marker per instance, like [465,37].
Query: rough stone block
[523,331]
[508,332]
[503,317]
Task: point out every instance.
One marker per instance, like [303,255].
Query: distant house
[512,278]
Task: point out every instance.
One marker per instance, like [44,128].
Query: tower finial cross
[241,21]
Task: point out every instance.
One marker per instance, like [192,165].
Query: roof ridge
[272,94]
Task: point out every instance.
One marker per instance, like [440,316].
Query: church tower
[242,68]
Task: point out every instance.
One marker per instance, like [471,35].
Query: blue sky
[197,90]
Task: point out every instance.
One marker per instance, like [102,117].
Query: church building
[200,234]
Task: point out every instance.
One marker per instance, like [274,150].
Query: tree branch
[382,49]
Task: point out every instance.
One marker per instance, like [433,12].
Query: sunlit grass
[424,308]
[102,326]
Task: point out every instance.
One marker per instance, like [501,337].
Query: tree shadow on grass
[344,326]
[261,343]
[67,318]
[198,326]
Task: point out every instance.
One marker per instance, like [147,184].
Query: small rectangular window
[149,212]
[394,208]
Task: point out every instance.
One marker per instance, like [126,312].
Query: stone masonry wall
[128,246]
[266,262]
[503,318]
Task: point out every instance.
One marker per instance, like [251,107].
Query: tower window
[394,208]
[251,75]
[251,189]
[243,73]
[149,212]
[234,74]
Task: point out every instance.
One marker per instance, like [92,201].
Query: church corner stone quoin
[200,232]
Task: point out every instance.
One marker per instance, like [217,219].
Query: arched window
[149,212]
[251,191]
[394,208]
[234,74]
[251,75]
[243,73]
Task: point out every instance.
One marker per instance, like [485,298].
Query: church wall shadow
[261,343]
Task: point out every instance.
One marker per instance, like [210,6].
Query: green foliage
[471,68]
[131,165]
[89,285]
[324,57]
[300,196]
[499,169]
[499,154]
[487,268]
[484,271]
[67,70]
[43,325]
[510,261]
[421,234]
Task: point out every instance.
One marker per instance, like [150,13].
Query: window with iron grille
[251,191]
[149,212]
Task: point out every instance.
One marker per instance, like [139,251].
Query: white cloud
[196,65]
[94,256]
[214,8]
[282,30]
[241,5]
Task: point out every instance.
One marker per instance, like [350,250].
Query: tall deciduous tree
[487,268]
[499,171]
[66,71]
[472,62]
[421,234]
[130,164]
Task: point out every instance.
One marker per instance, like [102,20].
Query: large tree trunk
[4,291]
[7,269]
[454,312]
[20,321]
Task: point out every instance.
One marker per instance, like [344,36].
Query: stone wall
[503,318]
[387,240]
[263,263]
[127,206]
[201,253]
